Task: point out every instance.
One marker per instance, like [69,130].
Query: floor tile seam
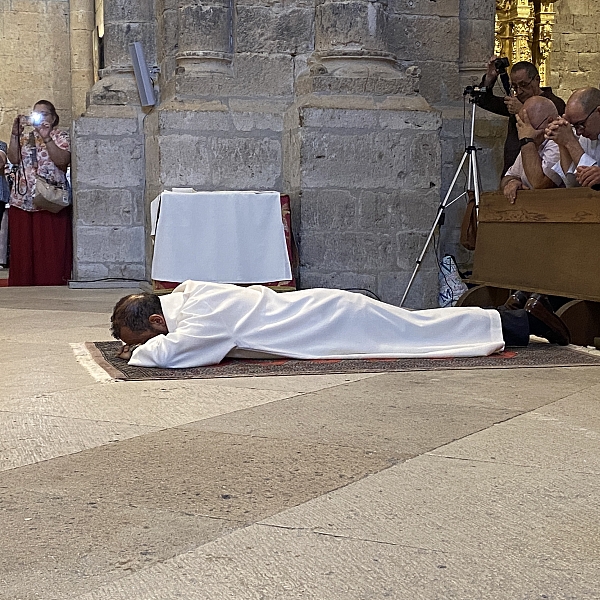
[507,420]
[465,551]
[536,467]
[296,392]
[87,420]
[351,538]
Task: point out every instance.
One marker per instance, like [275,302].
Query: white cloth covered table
[228,237]
[208,321]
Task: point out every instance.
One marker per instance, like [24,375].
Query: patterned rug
[535,355]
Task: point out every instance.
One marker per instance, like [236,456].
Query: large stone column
[351,45]
[362,159]
[205,37]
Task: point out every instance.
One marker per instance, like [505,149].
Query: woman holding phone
[41,242]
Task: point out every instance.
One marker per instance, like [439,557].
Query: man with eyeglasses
[525,84]
[533,168]
[577,134]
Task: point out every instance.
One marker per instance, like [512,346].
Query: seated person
[201,323]
[525,83]
[577,133]
[533,167]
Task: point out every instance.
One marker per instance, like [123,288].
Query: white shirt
[208,321]
[550,154]
[589,158]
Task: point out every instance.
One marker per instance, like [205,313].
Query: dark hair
[528,67]
[52,109]
[134,311]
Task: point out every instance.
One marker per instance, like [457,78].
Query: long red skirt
[41,247]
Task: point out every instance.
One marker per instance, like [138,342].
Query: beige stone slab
[42,371]
[61,298]
[60,547]
[52,328]
[292,383]
[211,474]
[513,389]
[564,435]
[276,564]
[232,480]
[390,414]
[548,517]
[152,403]
[30,438]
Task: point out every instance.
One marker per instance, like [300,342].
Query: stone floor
[478,484]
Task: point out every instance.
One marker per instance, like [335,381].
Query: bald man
[533,168]
[577,133]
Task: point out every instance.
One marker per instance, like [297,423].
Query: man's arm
[561,132]
[510,185]
[532,165]
[182,350]
[531,161]
[488,101]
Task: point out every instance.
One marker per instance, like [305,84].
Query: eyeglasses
[521,85]
[541,123]
[581,124]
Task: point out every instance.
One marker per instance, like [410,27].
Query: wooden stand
[547,242]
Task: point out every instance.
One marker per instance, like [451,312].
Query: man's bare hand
[524,126]
[588,176]
[491,74]
[511,188]
[560,131]
[513,104]
[126,351]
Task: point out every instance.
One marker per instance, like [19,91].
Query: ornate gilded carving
[524,32]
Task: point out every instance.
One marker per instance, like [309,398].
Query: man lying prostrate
[201,323]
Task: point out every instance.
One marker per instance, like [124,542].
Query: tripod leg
[438,216]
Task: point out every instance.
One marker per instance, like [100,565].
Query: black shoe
[516,300]
[544,322]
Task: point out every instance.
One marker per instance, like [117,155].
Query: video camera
[500,64]
[474,91]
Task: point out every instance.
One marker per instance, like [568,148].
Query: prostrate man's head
[582,111]
[137,318]
[541,112]
[525,80]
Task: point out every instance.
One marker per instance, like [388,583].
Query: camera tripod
[473,183]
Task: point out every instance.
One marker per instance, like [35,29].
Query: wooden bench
[547,242]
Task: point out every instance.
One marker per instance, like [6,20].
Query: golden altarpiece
[524,32]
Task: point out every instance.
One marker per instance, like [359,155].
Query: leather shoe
[546,323]
[516,300]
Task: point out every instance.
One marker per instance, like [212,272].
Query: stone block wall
[35,58]
[212,146]
[110,222]
[427,34]
[369,186]
[575,57]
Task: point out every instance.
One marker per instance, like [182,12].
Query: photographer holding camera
[524,84]
[40,241]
